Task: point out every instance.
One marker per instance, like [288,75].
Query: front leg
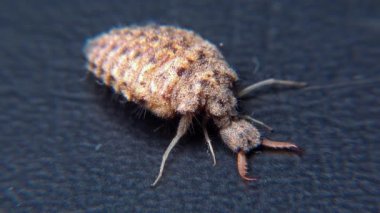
[208,140]
[183,125]
[270,82]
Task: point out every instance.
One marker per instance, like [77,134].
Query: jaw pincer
[242,166]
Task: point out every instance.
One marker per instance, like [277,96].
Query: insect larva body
[165,69]
[172,71]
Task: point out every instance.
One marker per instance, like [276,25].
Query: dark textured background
[67,143]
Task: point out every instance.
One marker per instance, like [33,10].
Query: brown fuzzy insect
[173,71]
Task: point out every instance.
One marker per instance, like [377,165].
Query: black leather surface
[68,143]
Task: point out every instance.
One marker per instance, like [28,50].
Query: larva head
[240,135]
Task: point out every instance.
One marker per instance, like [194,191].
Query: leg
[249,118]
[182,128]
[85,77]
[269,82]
[208,140]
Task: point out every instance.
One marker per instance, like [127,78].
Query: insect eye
[221,103]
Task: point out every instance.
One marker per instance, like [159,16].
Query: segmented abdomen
[146,63]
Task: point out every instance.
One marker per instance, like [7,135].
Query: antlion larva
[174,72]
